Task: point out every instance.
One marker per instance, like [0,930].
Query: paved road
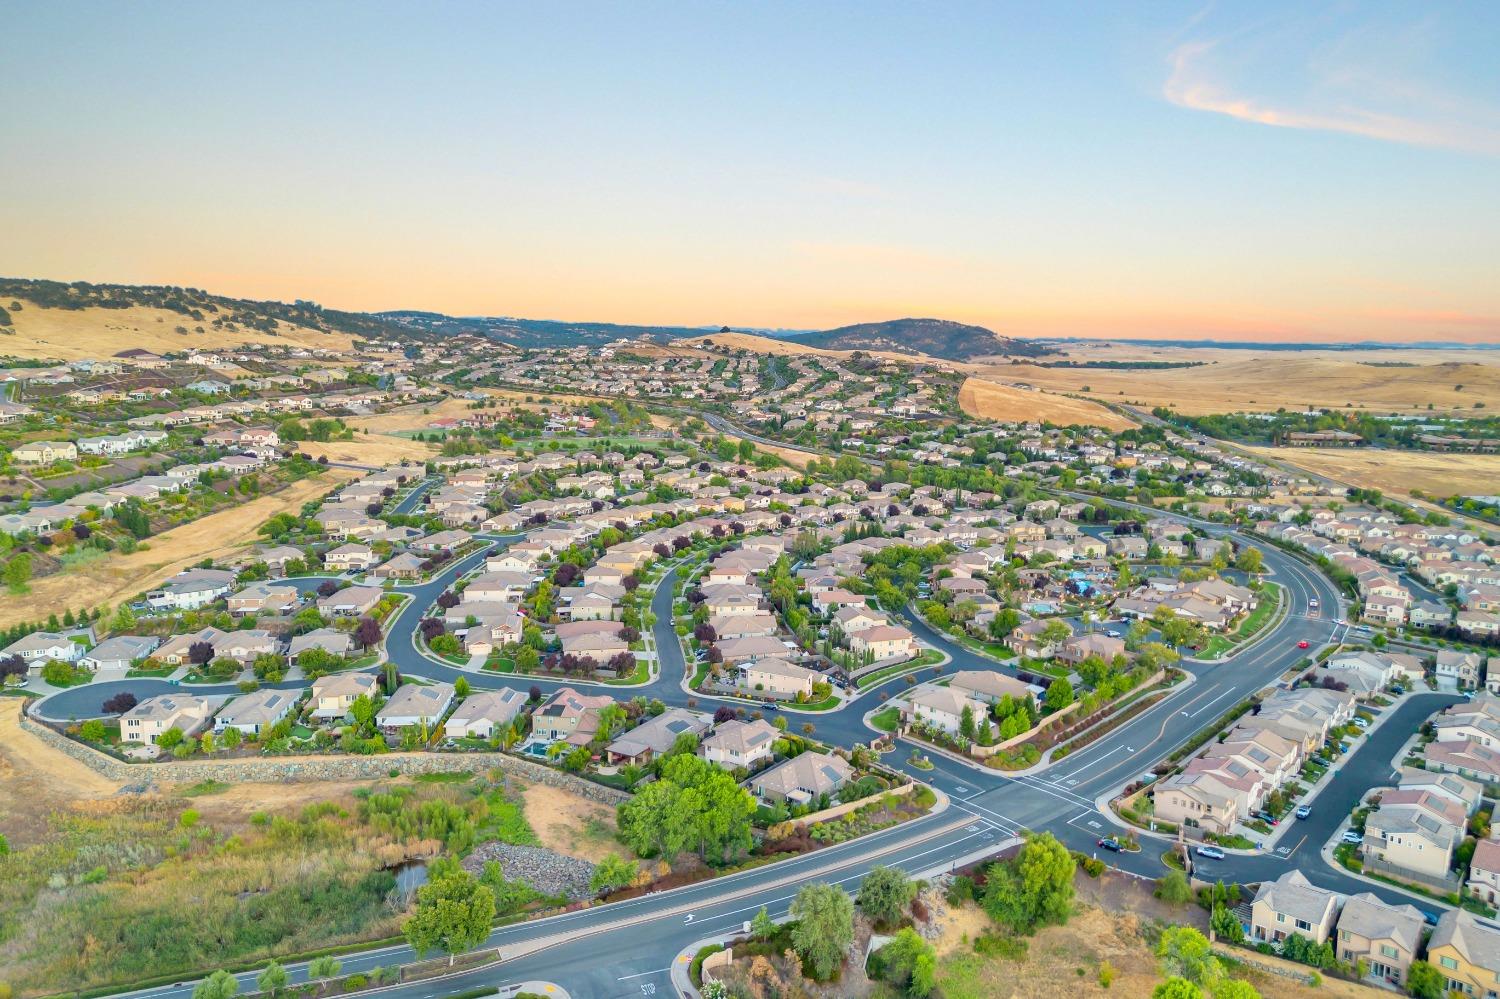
[630,945]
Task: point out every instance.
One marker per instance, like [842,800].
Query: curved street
[633,943]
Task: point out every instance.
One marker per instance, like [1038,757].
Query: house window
[1281,917]
[1386,950]
[1449,963]
[1303,924]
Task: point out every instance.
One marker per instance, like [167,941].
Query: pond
[410,875]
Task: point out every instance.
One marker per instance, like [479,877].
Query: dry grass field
[409,418]
[993,401]
[771,345]
[107,581]
[69,335]
[1231,380]
[370,449]
[1067,959]
[1396,471]
[37,780]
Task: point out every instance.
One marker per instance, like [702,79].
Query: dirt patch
[571,824]
[107,581]
[36,779]
[370,449]
[993,401]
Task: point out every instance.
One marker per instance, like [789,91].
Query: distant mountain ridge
[934,337]
[939,338]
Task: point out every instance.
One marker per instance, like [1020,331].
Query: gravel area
[549,873]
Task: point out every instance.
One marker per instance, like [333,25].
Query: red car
[1302,644]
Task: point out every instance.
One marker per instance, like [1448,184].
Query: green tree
[170,739]
[824,929]
[17,573]
[1059,694]
[1035,889]
[762,927]
[1249,560]
[923,976]
[231,738]
[271,980]
[92,730]
[884,894]
[1225,924]
[320,969]
[1183,952]
[613,872]
[454,913]
[1177,988]
[219,985]
[900,958]
[1424,981]
[1174,888]
[1234,988]
[461,687]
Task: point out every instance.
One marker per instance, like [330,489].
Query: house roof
[1298,897]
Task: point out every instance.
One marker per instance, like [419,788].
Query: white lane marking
[645,974]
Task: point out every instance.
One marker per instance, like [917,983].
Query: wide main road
[627,947]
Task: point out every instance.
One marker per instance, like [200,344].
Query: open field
[1393,471]
[37,780]
[409,418]
[110,580]
[993,401]
[68,334]
[1231,380]
[1073,954]
[571,824]
[370,449]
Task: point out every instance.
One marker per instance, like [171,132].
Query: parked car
[1209,852]
[770,705]
[1353,837]
[1265,817]
[1112,633]
[1397,689]
[1361,723]
[1109,843]
[1304,811]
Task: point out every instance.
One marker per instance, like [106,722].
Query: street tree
[454,913]
[884,894]
[824,929]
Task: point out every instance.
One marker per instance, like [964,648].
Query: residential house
[257,711]
[568,716]
[805,779]
[41,646]
[941,707]
[119,652]
[1293,904]
[1198,800]
[351,601]
[1386,937]
[415,705]
[155,715]
[1465,950]
[775,677]
[736,743]
[655,736]
[333,695]
[482,714]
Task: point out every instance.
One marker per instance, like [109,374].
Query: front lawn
[886,719]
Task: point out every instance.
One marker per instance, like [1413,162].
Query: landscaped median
[928,657]
[1261,620]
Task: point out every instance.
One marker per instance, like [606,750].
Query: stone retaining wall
[316,768]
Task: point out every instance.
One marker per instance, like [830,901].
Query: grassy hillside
[933,337]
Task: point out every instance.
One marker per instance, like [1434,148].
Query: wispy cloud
[1337,86]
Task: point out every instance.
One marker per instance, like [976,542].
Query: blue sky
[1259,170]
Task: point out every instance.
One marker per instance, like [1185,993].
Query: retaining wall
[316,768]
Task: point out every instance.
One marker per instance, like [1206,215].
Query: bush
[1174,888]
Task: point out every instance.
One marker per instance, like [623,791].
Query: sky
[1266,171]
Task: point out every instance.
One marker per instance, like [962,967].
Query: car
[1312,602]
[1265,817]
[1110,843]
[1353,837]
[1209,852]
[770,705]
[1304,811]
[1304,644]
[1112,633]
[1397,689]
[1361,723]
